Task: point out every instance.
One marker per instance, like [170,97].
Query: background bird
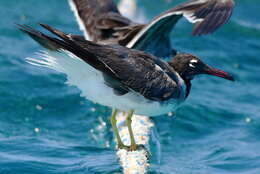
[101,21]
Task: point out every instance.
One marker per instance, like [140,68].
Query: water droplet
[93,109]
[107,144]
[170,114]
[38,107]
[248,120]
[37,130]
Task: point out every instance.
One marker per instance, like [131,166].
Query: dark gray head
[188,66]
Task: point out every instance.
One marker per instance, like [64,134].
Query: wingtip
[23,27]
[210,14]
[54,31]
[46,26]
[19,26]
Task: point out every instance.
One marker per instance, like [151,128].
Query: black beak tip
[219,73]
[231,78]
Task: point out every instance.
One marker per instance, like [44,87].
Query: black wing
[124,69]
[208,15]
[142,73]
[100,20]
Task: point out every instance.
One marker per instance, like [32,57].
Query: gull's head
[188,66]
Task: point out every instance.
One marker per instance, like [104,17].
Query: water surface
[46,127]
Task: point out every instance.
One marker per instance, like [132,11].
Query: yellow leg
[133,145]
[113,123]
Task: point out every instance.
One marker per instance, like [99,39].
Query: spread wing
[100,20]
[123,69]
[207,16]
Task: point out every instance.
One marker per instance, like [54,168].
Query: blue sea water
[46,127]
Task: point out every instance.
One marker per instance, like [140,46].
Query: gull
[120,77]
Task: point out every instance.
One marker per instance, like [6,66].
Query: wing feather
[98,18]
[124,69]
[208,16]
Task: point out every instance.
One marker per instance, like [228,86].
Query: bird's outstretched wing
[100,20]
[123,69]
[207,16]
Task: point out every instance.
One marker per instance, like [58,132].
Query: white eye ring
[194,61]
[191,65]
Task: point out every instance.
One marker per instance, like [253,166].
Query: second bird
[102,22]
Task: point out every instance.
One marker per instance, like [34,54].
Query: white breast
[91,83]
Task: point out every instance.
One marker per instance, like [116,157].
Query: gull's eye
[193,63]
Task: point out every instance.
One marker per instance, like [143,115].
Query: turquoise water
[46,127]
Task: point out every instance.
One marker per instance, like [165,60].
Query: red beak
[219,73]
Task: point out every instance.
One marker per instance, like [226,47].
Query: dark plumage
[102,22]
[120,77]
[126,69]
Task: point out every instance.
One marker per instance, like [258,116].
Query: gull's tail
[69,43]
[44,40]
